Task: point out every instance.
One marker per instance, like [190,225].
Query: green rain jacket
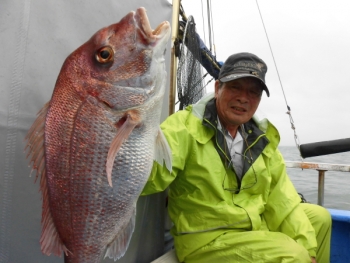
[206,198]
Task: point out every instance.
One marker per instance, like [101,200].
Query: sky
[310,43]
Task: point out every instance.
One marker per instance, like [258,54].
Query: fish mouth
[162,31]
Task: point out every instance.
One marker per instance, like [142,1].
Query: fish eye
[104,54]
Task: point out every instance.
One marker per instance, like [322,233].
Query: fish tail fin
[162,151]
[117,248]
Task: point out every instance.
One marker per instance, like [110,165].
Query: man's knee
[319,216]
[324,216]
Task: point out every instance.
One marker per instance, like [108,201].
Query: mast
[173,66]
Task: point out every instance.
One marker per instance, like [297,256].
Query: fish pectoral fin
[162,151]
[132,119]
[117,248]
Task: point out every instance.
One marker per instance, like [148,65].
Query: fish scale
[84,185]
[98,137]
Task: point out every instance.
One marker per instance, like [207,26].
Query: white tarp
[36,37]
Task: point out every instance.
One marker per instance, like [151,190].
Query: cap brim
[239,76]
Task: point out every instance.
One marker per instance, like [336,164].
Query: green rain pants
[265,246]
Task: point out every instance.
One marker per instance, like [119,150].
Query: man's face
[237,100]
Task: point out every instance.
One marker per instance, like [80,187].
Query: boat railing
[322,168]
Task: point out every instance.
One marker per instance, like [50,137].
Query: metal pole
[321,175]
[173,66]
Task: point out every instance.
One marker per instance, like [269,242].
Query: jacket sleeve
[283,212]
[177,136]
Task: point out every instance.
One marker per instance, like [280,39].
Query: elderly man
[230,198]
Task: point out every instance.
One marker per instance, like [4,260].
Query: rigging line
[296,139]
[209,25]
[208,82]
[203,78]
[196,84]
[203,22]
[212,27]
[273,57]
[202,87]
[182,13]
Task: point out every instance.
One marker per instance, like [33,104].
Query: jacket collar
[254,144]
[205,113]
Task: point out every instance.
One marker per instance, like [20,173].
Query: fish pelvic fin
[162,152]
[49,240]
[132,119]
[117,248]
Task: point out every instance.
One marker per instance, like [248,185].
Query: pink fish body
[95,141]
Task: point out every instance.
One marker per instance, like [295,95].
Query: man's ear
[217,87]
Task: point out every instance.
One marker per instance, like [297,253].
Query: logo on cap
[246,65]
[259,65]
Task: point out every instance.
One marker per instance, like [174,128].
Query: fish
[94,142]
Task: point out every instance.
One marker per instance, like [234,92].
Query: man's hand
[313,260]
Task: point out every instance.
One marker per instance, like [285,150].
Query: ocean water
[337,184]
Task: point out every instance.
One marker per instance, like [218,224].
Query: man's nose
[243,94]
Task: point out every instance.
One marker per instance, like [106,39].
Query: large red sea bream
[94,142]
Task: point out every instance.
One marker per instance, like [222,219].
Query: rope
[203,22]
[209,26]
[296,139]
[203,77]
[212,29]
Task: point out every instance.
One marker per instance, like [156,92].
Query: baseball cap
[243,65]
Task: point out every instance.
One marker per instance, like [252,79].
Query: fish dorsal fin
[49,240]
[131,120]
[162,151]
[117,248]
